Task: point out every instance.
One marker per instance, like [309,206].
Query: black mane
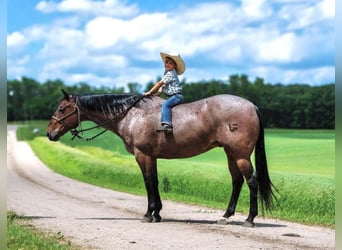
[108,104]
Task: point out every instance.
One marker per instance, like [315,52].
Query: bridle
[76,132]
[60,120]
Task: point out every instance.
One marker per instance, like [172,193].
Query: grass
[22,235]
[310,152]
[301,167]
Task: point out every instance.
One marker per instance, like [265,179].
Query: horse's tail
[265,185]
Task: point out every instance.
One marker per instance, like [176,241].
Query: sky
[115,42]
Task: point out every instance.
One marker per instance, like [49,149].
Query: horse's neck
[105,120]
[116,121]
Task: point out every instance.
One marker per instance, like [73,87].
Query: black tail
[265,185]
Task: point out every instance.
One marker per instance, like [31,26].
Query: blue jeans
[168,104]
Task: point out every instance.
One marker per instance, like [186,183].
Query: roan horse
[226,121]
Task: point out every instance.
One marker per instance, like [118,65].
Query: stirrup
[165,127]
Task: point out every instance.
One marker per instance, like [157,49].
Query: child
[170,85]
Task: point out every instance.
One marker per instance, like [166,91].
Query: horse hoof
[156,218]
[223,221]
[147,219]
[248,224]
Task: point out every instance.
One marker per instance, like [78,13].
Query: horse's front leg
[148,166]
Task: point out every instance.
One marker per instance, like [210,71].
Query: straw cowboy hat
[178,60]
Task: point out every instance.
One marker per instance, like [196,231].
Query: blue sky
[114,42]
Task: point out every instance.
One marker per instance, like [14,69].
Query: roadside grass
[301,164]
[22,235]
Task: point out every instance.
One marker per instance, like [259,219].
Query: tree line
[283,106]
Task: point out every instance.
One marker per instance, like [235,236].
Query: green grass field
[301,165]
[22,235]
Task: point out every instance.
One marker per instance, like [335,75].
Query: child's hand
[160,91]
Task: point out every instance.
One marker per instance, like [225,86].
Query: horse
[226,121]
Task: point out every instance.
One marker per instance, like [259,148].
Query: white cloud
[24,60]
[18,67]
[16,71]
[19,39]
[90,78]
[327,8]
[290,76]
[280,48]
[108,7]
[105,32]
[62,42]
[109,61]
[15,39]
[96,43]
[303,15]
[46,7]
[256,9]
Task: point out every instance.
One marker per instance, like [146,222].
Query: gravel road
[98,218]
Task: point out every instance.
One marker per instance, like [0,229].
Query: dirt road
[98,218]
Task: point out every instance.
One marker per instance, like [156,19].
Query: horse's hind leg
[253,206]
[239,169]
[237,181]
[246,168]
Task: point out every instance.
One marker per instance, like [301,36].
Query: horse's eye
[61,109]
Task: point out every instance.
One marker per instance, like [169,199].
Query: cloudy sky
[114,42]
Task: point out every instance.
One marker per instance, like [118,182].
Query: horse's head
[64,119]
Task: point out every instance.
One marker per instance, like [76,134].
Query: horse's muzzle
[53,136]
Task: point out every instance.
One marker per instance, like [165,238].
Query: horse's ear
[66,95]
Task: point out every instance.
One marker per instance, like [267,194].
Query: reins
[76,132]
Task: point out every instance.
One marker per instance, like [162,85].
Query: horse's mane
[113,104]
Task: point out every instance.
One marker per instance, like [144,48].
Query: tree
[134,87]
[282,106]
